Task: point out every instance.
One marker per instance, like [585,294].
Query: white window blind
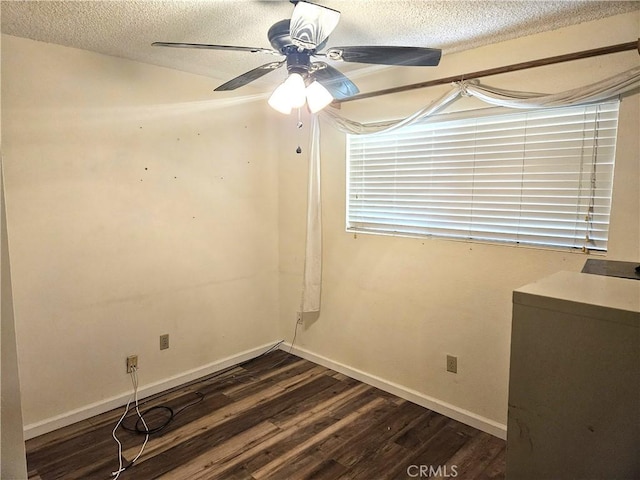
[540,177]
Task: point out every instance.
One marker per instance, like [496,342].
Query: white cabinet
[574,382]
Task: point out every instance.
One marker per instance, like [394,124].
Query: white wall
[392,308]
[12,450]
[137,205]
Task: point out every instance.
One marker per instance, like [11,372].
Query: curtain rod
[621,47]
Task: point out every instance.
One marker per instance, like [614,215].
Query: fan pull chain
[299,125]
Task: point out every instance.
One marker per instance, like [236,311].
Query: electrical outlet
[164,341]
[132,362]
[452,364]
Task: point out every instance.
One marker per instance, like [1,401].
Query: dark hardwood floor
[275,417]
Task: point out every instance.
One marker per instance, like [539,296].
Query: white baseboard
[468,418]
[50,424]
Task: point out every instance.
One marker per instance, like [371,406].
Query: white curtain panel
[356,128]
[312,278]
[596,92]
[602,90]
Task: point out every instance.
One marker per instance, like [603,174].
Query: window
[540,178]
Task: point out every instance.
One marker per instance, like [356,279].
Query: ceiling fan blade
[214,47]
[339,86]
[249,76]
[387,55]
[312,24]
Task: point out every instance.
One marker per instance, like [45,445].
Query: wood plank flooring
[275,417]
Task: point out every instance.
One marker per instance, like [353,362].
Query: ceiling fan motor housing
[298,62]
[279,36]
[298,59]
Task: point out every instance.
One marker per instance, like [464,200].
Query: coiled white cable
[134,398]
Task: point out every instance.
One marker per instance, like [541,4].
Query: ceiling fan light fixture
[318,97]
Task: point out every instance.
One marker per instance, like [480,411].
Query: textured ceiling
[127,28]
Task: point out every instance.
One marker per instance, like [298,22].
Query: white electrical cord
[134,398]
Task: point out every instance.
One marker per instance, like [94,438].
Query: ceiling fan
[315,82]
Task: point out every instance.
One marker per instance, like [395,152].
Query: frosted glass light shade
[280,101]
[296,89]
[318,97]
[291,94]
